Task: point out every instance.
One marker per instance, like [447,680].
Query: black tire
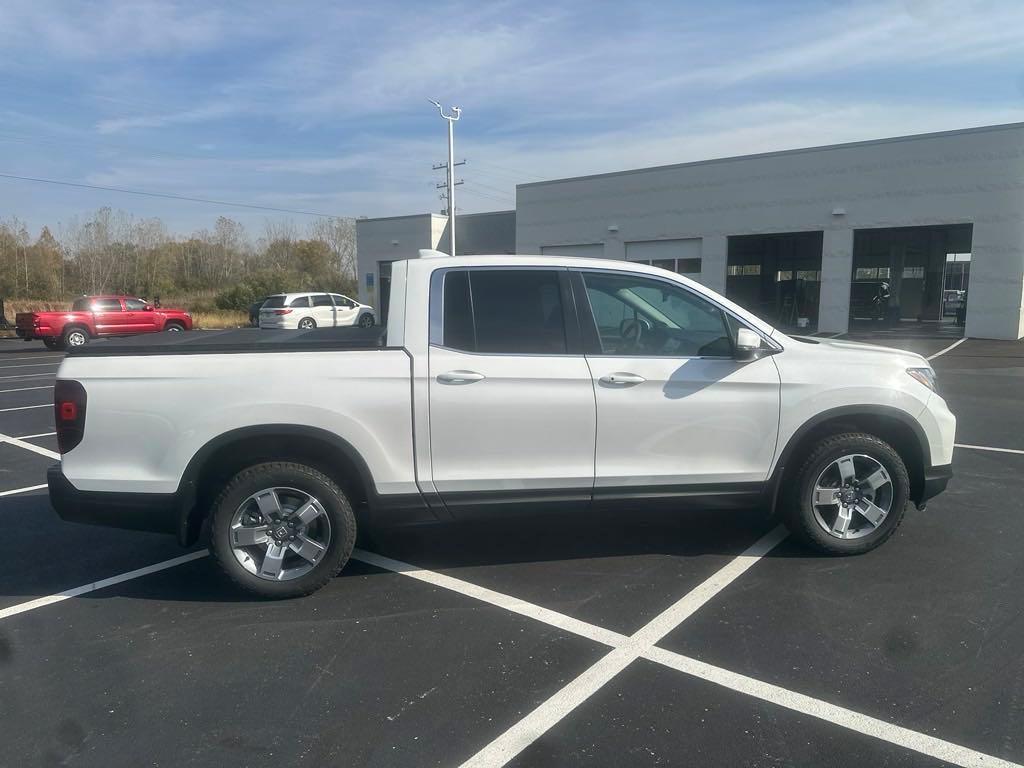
[798,513]
[72,336]
[366,321]
[174,326]
[289,475]
[56,344]
[307,323]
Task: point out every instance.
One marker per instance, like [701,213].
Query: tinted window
[273,302]
[134,305]
[512,311]
[80,305]
[301,301]
[643,317]
[106,305]
[322,300]
[458,313]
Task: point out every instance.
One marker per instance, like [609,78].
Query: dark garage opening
[777,277]
[911,278]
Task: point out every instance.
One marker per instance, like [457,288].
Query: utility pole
[451,118]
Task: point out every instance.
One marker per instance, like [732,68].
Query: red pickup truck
[98,316]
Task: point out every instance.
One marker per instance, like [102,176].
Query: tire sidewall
[310,324]
[303,478]
[828,451]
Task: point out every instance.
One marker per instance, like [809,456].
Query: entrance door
[675,411]
[512,418]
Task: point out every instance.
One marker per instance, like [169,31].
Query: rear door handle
[459,377]
[620,379]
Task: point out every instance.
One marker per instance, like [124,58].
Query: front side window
[106,305]
[135,305]
[637,316]
[508,311]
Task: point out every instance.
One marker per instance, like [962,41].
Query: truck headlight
[924,375]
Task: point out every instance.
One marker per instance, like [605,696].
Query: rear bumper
[156,512]
[935,481]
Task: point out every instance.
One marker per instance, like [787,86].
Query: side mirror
[748,345]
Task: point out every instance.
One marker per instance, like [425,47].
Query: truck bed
[237,340]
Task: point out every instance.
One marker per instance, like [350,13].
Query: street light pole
[452,117]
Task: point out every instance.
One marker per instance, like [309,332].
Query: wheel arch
[896,427]
[227,454]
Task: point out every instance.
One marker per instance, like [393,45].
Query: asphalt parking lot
[707,639]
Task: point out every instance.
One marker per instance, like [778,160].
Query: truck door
[137,318]
[108,316]
[512,412]
[676,413]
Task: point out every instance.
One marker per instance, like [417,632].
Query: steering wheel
[631,330]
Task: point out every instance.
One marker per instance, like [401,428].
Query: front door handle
[459,377]
[620,379]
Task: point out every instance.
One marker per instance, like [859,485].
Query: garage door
[587,251]
[681,256]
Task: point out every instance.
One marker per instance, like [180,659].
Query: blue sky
[322,106]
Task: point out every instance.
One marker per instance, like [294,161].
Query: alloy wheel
[76,339]
[852,496]
[279,534]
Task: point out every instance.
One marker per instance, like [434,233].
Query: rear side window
[274,302]
[80,305]
[322,300]
[106,305]
[509,311]
[301,301]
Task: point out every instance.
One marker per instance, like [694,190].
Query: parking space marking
[41,434]
[509,603]
[40,602]
[952,346]
[22,376]
[26,407]
[579,689]
[22,490]
[26,389]
[19,443]
[987,448]
[30,365]
[830,713]
[547,715]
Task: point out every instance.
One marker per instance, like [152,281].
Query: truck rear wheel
[848,495]
[75,337]
[53,344]
[282,529]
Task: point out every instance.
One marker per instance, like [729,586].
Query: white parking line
[33,357]
[30,365]
[30,376]
[31,605]
[29,446]
[547,715]
[22,490]
[41,434]
[952,346]
[577,691]
[987,448]
[26,389]
[26,407]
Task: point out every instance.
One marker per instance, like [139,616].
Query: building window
[688,266]
[914,272]
[738,270]
[872,273]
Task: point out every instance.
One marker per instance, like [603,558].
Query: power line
[167,195]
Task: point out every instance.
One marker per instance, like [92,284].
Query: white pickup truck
[502,385]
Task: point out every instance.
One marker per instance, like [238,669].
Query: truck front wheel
[282,529]
[849,494]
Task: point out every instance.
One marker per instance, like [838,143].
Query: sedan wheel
[279,534]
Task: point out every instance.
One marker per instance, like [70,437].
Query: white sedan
[314,310]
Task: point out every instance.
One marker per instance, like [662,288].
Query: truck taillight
[282,311]
[69,413]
